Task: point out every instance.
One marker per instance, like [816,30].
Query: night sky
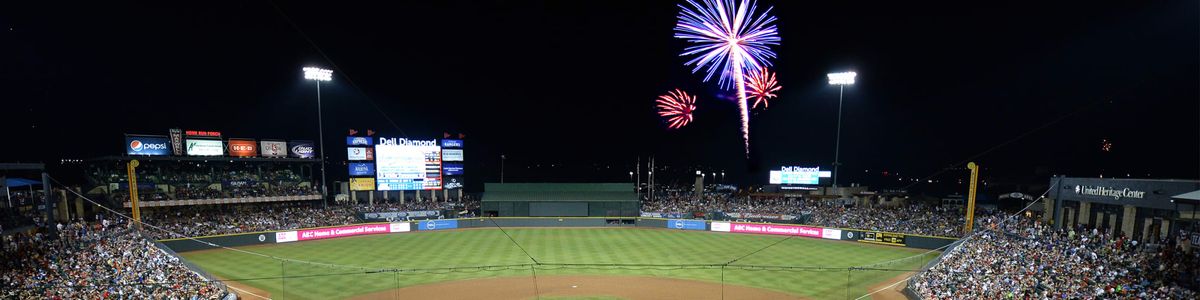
[565,89]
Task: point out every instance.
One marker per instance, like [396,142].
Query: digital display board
[362,169]
[302,149]
[205,147]
[243,148]
[272,148]
[403,164]
[362,184]
[451,183]
[360,153]
[450,143]
[452,155]
[147,145]
[452,169]
[796,175]
[358,141]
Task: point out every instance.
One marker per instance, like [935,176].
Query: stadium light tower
[318,75]
[841,80]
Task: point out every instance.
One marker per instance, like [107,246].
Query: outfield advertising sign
[362,169]
[400,215]
[272,148]
[437,224]
[776,229]
[302,149]
[720,226]
[686,224]
[343,231]
[831,234]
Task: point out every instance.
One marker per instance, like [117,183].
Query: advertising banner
[302,149]
[437,224]
[147,145]
[451,183]
[686,224]
[452,155]
[362,184]
[720,226]
[356,153]
[404,164]
[452,169]
[400,215]
[450,143]
[832,234]
[176,141]
[273,148]
[237,183]
[334,232]
[776,229]
[359,141]
[886,238]
[205,147]
[243,148]
[362,169]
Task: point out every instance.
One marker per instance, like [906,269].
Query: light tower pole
[841,80]
[318,75]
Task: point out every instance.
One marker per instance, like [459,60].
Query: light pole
[841,80]
[318,75]
[502,158]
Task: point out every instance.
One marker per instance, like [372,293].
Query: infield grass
[667,250]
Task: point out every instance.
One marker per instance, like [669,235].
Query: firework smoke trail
[762,86]
[728,37]
[677,107]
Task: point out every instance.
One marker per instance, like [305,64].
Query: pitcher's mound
[603,287]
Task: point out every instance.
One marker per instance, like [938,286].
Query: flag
[353,132]
[370,132]
[445,135]
[461,136]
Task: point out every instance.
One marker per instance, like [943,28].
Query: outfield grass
[490,247]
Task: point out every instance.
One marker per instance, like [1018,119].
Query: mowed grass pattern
[490,247]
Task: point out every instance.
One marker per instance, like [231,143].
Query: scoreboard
[886,238]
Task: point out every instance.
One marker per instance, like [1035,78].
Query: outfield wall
[272,237]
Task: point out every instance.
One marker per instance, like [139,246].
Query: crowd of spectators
[1024,259]
[912,218]
[192,221]
[98,260]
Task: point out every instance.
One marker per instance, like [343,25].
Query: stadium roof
[530,192]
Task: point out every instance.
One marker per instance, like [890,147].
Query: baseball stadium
[599,150]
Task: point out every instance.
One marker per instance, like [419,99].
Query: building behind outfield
[1144,209]
[559,200]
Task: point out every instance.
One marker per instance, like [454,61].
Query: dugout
[559,200]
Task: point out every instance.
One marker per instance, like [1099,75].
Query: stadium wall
[272,237]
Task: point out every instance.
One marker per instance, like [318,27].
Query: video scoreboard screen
[406,165]
[797,175]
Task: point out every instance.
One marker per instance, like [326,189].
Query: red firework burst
[676,107]
[761,86]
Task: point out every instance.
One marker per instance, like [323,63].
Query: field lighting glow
[846,78]
[318,74]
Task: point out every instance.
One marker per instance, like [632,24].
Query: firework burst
[762,86]
[731,38]
[676,106]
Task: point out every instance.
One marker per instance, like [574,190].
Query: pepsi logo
[136,145]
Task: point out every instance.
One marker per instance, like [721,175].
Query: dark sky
[572,83]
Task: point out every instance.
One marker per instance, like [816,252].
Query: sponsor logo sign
[302,149]
[273,148]
[1103,191]
[147,145]
[887,238]
[400,227]
[176,141]
[215,134]
[452,155]
[437,224]
[452,169]
[286,236]
[356,153]
[452,183]
[451,143]
[359,141]
[686,224]
[242,148]
[335,232]
[205,147]
[776,229]
[362,169]
[832,234]
[362,184]
[721,226]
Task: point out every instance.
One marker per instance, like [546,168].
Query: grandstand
[184,181]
